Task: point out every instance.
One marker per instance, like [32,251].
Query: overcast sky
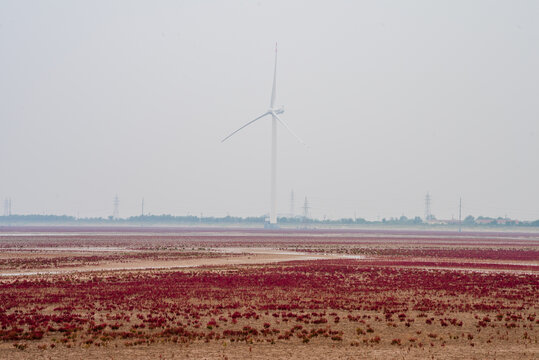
[393,98]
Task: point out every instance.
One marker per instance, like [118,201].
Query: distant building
[433,221]
[506,221]
[484,221]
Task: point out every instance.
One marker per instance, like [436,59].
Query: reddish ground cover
[37,260]
[343,302]
[508,254]
[411,302]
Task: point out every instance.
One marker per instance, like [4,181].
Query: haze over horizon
[394,100]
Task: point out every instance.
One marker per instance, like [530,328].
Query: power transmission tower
[6,207]
[116,212]
[460,215]
[428,215]
[292,203]
[305,209]
[142,213]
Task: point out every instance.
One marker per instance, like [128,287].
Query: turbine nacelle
[277,111]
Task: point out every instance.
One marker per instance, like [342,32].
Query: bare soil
[253,295]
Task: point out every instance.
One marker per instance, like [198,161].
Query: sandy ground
[266,351]
[229,257]
[257,257]
[220,257]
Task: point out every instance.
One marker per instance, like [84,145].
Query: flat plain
[245,293]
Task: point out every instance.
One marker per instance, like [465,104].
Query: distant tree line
[469,221]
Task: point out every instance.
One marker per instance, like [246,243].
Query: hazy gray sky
[393,98]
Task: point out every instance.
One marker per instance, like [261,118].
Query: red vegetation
[247,305]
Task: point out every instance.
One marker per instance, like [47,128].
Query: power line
[7,207]
[460,214]
[428,215]
[142,213]
[306,209]
[292,203]
[116,212]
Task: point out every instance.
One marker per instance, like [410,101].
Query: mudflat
[236,295]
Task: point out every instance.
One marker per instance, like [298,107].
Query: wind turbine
[274,112]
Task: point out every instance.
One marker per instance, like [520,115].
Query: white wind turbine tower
[274,118]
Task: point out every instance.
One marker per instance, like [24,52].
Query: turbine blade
[274,89]
[288,128]
[249,123]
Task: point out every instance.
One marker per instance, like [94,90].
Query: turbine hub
[278,111]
